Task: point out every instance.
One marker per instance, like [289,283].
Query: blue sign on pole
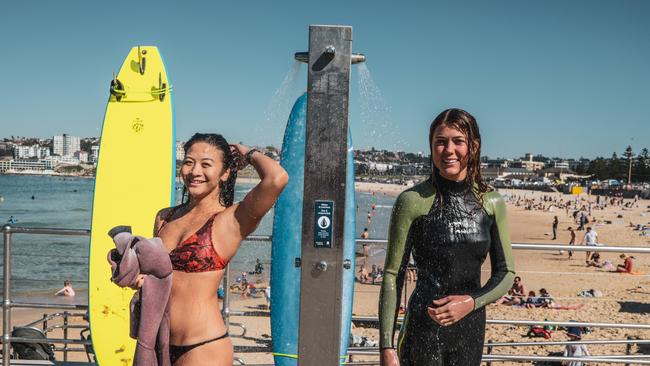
[323,224]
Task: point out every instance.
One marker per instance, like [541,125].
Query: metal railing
[227,312]
[7,304]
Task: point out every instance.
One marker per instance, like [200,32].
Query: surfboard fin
[161,86]
[117,88]
[142,61]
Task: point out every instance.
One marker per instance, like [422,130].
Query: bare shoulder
[162,216]
[163,213]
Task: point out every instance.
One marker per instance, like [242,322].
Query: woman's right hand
[388,357]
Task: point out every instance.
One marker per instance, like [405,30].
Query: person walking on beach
[555,223]
[450,222]
[583,221]
[364,245]
[203,233]
[591,240]
[572,241]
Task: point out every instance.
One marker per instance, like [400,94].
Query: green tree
[582,168]
[613,168]
[598,167]
[641,169]
[628,154]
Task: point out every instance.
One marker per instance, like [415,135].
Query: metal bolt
[322,266]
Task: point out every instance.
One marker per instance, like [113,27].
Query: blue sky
[561,78]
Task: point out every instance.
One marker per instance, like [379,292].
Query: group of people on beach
[448,224]
[373,277]
[518,296]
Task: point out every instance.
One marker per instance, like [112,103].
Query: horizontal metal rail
[63,326]
[581,248]
[49,317]
[47,340]
[35,305]
[568,324]
[528,358]
[496,357]
[374,319]
[522,246]
[564,343]
[45,231]
[549,343]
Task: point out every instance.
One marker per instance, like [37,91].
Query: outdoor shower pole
[328,89]
[6,303]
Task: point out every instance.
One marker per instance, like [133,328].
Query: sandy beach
[625,297]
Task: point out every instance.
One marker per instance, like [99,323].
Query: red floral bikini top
[196,253]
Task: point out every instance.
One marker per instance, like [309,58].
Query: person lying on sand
[549,302]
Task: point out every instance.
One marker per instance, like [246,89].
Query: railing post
[6,303]
[489,351]
[628,348]
[225,309]
[65,335]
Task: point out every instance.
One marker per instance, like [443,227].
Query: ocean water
[42,262]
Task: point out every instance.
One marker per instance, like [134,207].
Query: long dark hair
[227,188]
[465,123]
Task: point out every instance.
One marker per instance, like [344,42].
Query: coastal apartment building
[33,151]
[26,165]
[66,145]
[180,153]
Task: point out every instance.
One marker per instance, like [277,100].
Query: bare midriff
[195,313]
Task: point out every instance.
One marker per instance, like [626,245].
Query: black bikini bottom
[175,352]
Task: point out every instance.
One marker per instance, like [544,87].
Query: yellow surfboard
[135,179]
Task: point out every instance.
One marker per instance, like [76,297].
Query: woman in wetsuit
[202,234]
[450,222]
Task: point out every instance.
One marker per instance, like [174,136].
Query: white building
[180,153]
[42,152]
[561,164]
[81,155]
[21,152]
[69,160]
[34,151]
[26,165]
[94,153]
[66,145]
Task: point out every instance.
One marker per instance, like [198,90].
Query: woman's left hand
[450,309]
[240,151]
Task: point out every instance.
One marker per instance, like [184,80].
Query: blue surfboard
[287,238]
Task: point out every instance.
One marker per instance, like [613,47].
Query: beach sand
[625,297]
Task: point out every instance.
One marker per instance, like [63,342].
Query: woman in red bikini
[203,233]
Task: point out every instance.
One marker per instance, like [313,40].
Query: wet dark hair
[227,188]
[465,123]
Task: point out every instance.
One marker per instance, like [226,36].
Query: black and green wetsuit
[450,237]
